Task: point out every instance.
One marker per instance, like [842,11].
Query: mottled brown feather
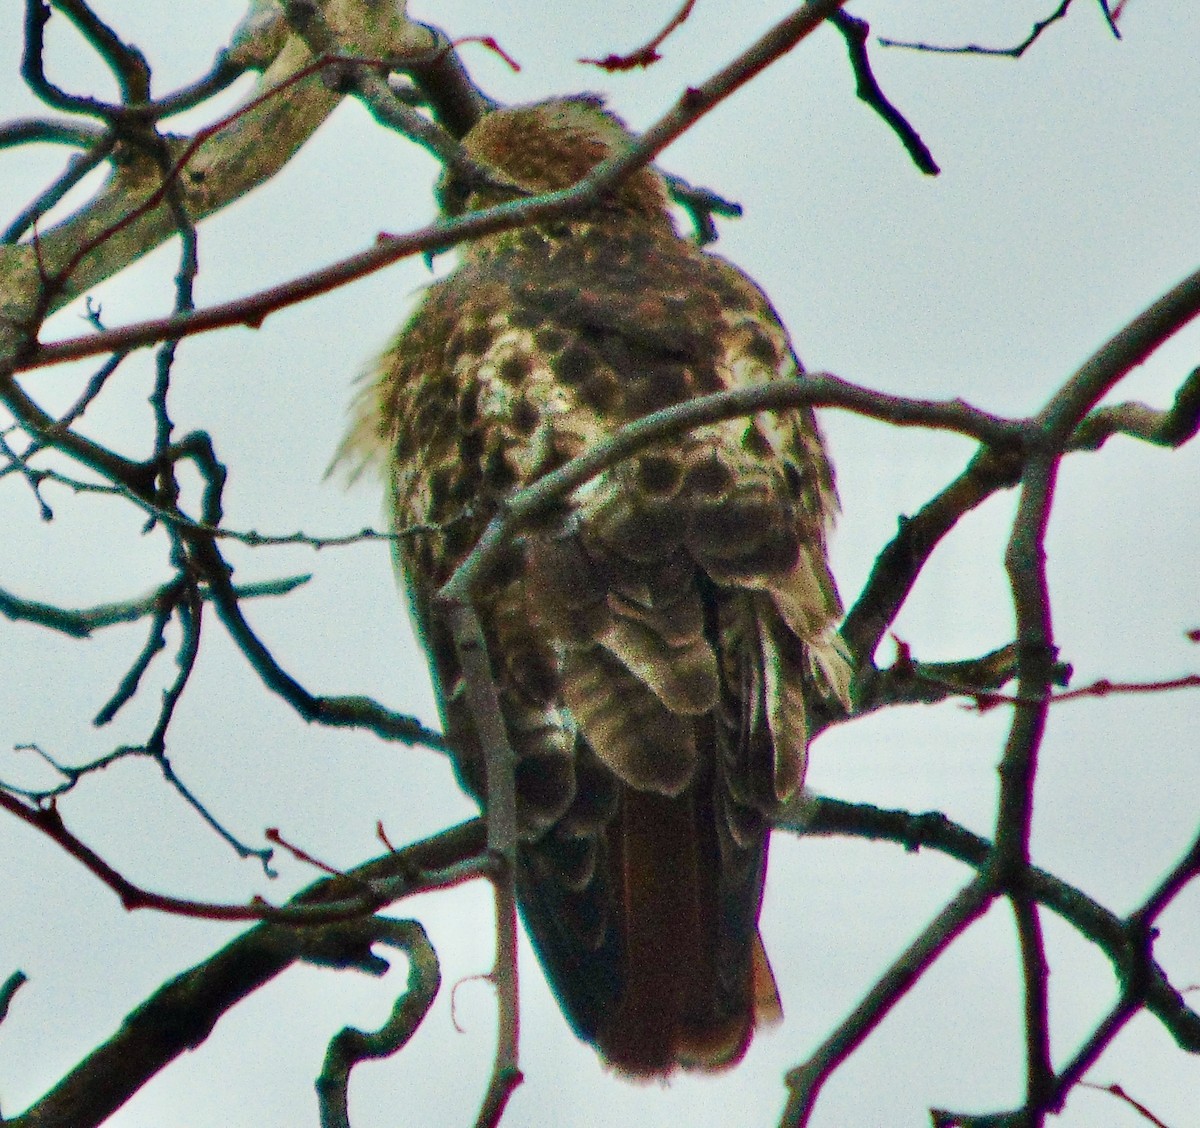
[654,640]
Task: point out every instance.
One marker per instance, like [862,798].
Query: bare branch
[1039,1068]
[1014,52]
[1118,357]
[647,54]
[34,130]
[352,711]
[8,990]
[1025,565]
[350,1046]
[77,168]
[127,63]
[1137,980]
[909,682]
[1170,887]
[1127,943]
[822,390]
[252,310]
[896,568]
[856,31]
[37,15]
[222,163]
[1118,1092]
[180,1015]
[81,622]
[701,204]
[501,813]
[1121,943]
[1171,428]
[456,102]
[805,1081]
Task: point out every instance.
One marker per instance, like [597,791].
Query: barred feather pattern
[656,639]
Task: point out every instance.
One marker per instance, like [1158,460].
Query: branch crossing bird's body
[653,641]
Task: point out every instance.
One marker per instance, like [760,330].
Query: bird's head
[548,146]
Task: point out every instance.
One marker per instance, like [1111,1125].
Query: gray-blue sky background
[1067,203]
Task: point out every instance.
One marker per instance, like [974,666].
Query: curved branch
[823,390]
[350,1046]
[1171,428]
[896,568]
[1117,357]
[181,1014]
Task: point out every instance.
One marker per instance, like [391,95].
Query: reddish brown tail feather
[677,1007]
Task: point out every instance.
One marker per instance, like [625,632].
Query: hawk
[654,640]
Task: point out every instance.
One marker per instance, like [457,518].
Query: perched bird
[654,641]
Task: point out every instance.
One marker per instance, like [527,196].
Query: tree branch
[805,1081]
[1014,52]
[253,309]
[181,1014]
[350,1046]
[223,162]
[1131,960]
[855,32]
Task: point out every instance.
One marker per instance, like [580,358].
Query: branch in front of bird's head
[253,309]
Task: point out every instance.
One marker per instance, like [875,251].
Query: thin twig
[77,168]
[856,32]
[156,642]
[1102,687]
[255,308]
[647,54]
[701,204]
[1014,52]
[81,622]
[1117,1091]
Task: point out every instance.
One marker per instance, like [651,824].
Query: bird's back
[654,639]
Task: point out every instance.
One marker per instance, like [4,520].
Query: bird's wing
[654,640]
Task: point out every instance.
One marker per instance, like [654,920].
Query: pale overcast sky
[1067,203]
